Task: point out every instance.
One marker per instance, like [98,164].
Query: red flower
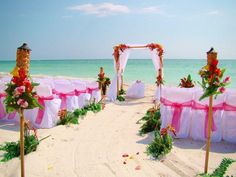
[214,63]
[218,71]
[28,85]
[17,81]
[222,89]
[22,73]
[227,79]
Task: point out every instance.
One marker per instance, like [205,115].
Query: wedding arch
[121,55]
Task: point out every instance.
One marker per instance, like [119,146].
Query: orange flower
[172,129]
[163,131]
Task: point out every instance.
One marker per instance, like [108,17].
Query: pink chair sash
[78,92]
[90,90]
[178,108]
[11,115]
[63,96]
[40,114]
[228,107]
[2,110]
[205,108]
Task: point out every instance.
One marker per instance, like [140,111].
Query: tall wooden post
[117,82]
[122,81]
[22,61]
[22,121]
[208,144]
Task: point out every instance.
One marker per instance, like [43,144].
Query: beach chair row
[181,108]
[64,95]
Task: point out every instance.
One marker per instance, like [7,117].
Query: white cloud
[151,9]
[104,9]
[213,12]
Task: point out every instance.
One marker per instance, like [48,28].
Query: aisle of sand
[94,148]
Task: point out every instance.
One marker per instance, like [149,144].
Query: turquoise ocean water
[136,69]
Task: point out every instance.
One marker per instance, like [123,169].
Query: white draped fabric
[112,92]
[123,60]
[155,60]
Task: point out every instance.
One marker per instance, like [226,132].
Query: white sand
[94,148]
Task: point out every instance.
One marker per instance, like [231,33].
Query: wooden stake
[208,133]
[122,83]
[22,121]
[117,82]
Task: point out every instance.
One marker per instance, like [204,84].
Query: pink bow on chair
[205,108]
[63,96]
[78,92]
[2,110]
[90,90]
[178,108]
[41,111]
[228,107]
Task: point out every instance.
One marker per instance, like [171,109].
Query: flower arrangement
[186,82]
[103,81]
[212,76]
[159,48]
[162,143]
[20,92]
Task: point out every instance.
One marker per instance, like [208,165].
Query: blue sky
[74,29]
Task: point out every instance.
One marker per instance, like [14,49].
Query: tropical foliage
[151,121]
[162,143]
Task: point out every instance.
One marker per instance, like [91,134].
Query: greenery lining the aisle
[151,121]
[68,117]
[220,171]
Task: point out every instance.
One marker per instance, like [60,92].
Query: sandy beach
[95,148]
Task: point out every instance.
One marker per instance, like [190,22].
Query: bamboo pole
[208,134]
[22,142]
[122,81]
[138,46]
[117,82]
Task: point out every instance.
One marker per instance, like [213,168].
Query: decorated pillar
[23,57]
[213,84]
[101,76]
[211,58]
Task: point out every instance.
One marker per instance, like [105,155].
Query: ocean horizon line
[81,59]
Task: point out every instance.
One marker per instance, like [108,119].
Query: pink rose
[227,79]
[22,103]
[222,89]
[18,91]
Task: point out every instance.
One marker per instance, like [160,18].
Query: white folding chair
[176,109]
[229,117]
[64,89]
[92,88]
[48,117]
[200,117]
[81,92]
